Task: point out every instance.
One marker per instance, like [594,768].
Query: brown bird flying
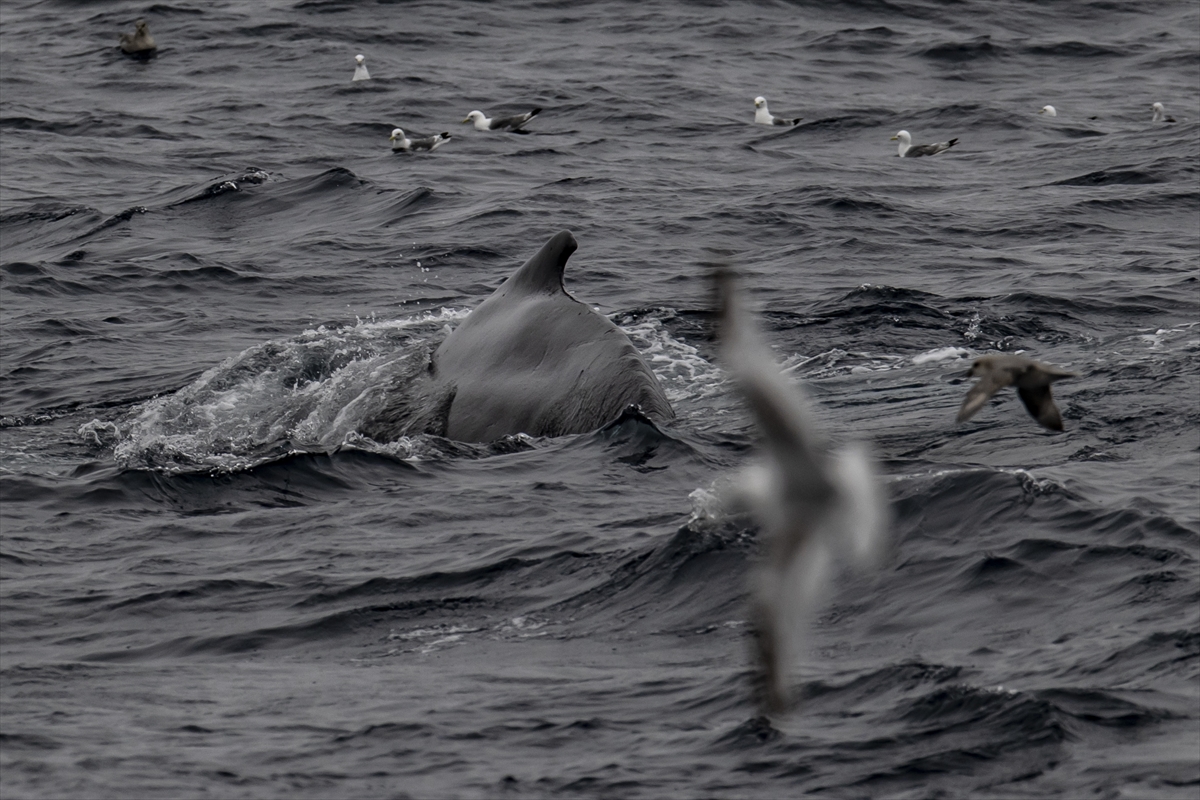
[1032,379]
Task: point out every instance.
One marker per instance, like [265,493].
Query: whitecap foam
[308,393]
[708,508]
[683,372]
[1161,336]
[941,354]
[836,362]
[99,433]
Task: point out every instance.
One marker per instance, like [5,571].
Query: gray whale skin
[532,359]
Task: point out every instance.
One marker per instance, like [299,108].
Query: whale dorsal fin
[544,272]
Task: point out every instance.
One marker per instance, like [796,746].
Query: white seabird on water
[764,117]
[514,123]
[360,69]
[140,42]
[1049,111]
[402,144]
[809,503]
[1160,114]
[1032,379]
[910,150]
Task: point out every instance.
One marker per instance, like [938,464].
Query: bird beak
[465,121]
[894,138]
[969,373]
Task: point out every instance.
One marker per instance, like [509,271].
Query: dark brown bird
[1032,379]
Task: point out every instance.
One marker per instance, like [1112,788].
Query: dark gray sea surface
[218,580]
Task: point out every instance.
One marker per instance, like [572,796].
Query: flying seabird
[140,42]
[402,144]
[514,123]
[1049,111]
[1160,114]
[808,501]
[360,69]
[764,117]
[1032,379]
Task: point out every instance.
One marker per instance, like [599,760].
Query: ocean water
[214,582]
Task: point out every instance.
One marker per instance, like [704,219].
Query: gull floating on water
[513,123]
[910,150]
[764,117]
[1049,111]
[140,42]
[360,69]
[1160,114]
[402,144]
[809,502]
[1032,379]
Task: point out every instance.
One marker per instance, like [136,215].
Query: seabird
[1160,114]
[140,42]
[809,502]
[910,150]
[764,117]
[1049,111]
[514,123]
[1032,379]
[360,69]
[402,144]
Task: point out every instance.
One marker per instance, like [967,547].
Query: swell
[667,581]
[892,321]
[41,231]
[693,578]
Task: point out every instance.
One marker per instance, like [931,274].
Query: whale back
[532,359]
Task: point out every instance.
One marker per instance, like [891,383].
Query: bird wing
[775,404]
[1054,373]
[982,391]
[918,150]
[427,142]
[1041,406]
[437,140]
[509,122]
[800,488]
[513,122]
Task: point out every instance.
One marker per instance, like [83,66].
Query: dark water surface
[216,584]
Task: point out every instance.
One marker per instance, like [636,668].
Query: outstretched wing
[796,493]
[981,392]
[788,434]
[1041,406]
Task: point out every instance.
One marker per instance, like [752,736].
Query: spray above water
[316,392]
